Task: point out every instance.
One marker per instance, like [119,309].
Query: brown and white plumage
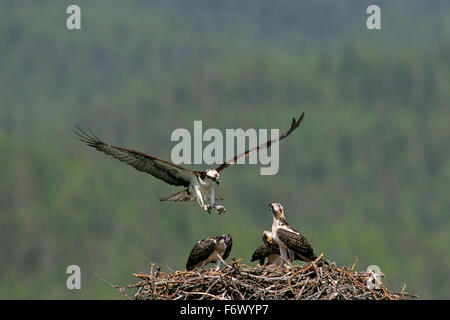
[296,243]
[210,250]
[199,184]
[164,170]
[293,245]
[267,144]
[269,249]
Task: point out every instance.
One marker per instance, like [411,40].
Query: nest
[242,282]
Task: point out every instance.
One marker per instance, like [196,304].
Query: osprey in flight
[211,250]
[271,250]
[291,242]
[199,185]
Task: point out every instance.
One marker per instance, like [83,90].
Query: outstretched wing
[264,251]
[297,243]
[200,252]
[267,144]
[159,168]
[260,254]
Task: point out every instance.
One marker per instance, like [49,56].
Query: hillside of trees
[366,175]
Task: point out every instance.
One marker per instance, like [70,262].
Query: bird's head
[277,211]
[227,239]
[267,238]
[213,175]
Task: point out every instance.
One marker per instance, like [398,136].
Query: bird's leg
[199,197]
[220,209]
[284,256]
[221,260]
[290,255]
[288,263]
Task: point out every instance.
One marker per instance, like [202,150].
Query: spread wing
[267,144]
[264,251]
[201,251]
[297,243]
[159,168]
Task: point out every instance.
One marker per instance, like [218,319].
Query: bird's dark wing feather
[264,251]
[267,144]
[297,243]
[201,251]
[159,168]
[227,250]
[184,195]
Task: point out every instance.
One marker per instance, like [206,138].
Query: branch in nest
[240,281]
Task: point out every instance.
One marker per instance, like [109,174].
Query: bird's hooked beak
[277,210]
[228,239]
[271,209]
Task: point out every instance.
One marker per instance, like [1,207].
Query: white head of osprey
[213,152]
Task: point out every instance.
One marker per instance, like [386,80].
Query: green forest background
[365,176]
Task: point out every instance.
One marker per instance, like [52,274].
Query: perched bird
[199,185]
[269,249]
[211,250]
[293,245]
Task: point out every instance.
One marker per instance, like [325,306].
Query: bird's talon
[208,208]
[220,209]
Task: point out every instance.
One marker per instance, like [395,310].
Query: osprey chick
[293,245]
[271,250]
[211,250]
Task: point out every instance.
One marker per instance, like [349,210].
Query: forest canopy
[366,175]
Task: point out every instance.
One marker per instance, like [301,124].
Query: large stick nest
[242,282]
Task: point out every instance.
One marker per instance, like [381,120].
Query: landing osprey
[271,250]
[211,250]
[199,184]
[292,243]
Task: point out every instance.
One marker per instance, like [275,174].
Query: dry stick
[152,278]
[121,290]
[214,283]
[354,263]
[240,281]
[361,285]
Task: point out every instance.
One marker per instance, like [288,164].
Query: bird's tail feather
[185,195]
[180,196]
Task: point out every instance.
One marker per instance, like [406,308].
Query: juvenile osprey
[199,184]
[292,243]
[211,250]
[271,250]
